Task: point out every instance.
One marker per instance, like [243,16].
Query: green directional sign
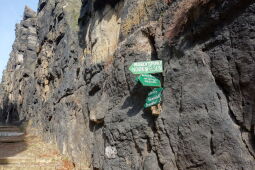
[152,102]
[149,80]
[155,92]
[146,67]
[154,97]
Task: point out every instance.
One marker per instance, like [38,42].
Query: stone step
[23,151]
[21,160]
[31,166]
[12,139]
[7,126]
[10,129]
[9,134]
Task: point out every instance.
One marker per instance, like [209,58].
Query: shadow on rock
[12,135]
[136,101]
[9,112]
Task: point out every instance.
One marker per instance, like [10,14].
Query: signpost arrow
[154,97]
[152,102]
[146,67]
[149,80]
[155,92]
[150,99]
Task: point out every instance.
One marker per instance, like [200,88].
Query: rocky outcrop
[68,74]
[18,76]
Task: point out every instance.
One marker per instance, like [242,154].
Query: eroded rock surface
[68,74]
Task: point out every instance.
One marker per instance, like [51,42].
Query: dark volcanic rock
[68,75]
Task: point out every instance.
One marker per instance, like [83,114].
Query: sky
[11,12]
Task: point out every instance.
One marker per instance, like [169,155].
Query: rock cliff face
[68,75]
